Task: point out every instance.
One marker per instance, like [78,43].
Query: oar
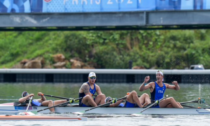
[188,106]
[194,101]
[26,112]
[153,104]
[82,112]
[71,100]
[35,112]
[58,96]
[55,96]
[29,103]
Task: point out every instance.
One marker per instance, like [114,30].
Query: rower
[88,89]
[39,102]
[132,100]
[157,90]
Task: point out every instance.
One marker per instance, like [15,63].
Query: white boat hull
[109,110]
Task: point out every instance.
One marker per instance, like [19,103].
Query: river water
[11,92]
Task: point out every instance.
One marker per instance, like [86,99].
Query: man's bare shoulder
[84,88]
[166,84]
[97,85]
[84,84]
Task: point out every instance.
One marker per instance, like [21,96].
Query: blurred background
[51,46]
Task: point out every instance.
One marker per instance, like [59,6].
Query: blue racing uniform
[92,91]
[158,93]
[35,103]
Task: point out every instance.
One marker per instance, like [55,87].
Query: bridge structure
[54,15]
[33,15]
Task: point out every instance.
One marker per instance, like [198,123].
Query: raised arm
[42,97]
[175,86]
[143,86]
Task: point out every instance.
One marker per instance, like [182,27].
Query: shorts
[36,103]
[83,105]
[129,105]
[156,106]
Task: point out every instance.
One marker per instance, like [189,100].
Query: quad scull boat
[9,108]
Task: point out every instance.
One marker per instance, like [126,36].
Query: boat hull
[108,110]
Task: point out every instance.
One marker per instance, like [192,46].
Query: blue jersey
[92,91]
[158,92]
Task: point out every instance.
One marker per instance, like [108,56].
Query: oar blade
[136,114]
[34,112]
[26,113]
[78,113]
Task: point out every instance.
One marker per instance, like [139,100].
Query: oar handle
[104,104]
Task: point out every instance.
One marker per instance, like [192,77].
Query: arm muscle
[98,90]
[85,89]
[171,87]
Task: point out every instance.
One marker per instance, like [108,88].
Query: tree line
[160,49]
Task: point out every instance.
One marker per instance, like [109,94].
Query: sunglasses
[92,77]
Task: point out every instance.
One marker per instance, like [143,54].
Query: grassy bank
[110,49]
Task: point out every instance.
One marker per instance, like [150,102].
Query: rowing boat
[39,118]
[9,108]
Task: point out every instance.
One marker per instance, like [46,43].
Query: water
[12,92]
[146,120]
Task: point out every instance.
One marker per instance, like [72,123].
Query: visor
[25,93]
[159,72]
[108,99]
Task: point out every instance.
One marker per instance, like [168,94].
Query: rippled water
[145,120]
[11,92]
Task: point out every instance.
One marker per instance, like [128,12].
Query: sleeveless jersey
[158,92]
[92,91]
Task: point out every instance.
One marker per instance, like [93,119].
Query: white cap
[92,74]
[160,72]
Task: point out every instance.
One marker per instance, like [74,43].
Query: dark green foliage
[175,49]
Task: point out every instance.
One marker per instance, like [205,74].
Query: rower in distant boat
[132,100]
[38,102]
[157,90]
[87,90]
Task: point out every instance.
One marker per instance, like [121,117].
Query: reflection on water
[10,92]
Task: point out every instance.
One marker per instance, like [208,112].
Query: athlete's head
[108,99]
[92,78]
[24,94]
[159,76]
